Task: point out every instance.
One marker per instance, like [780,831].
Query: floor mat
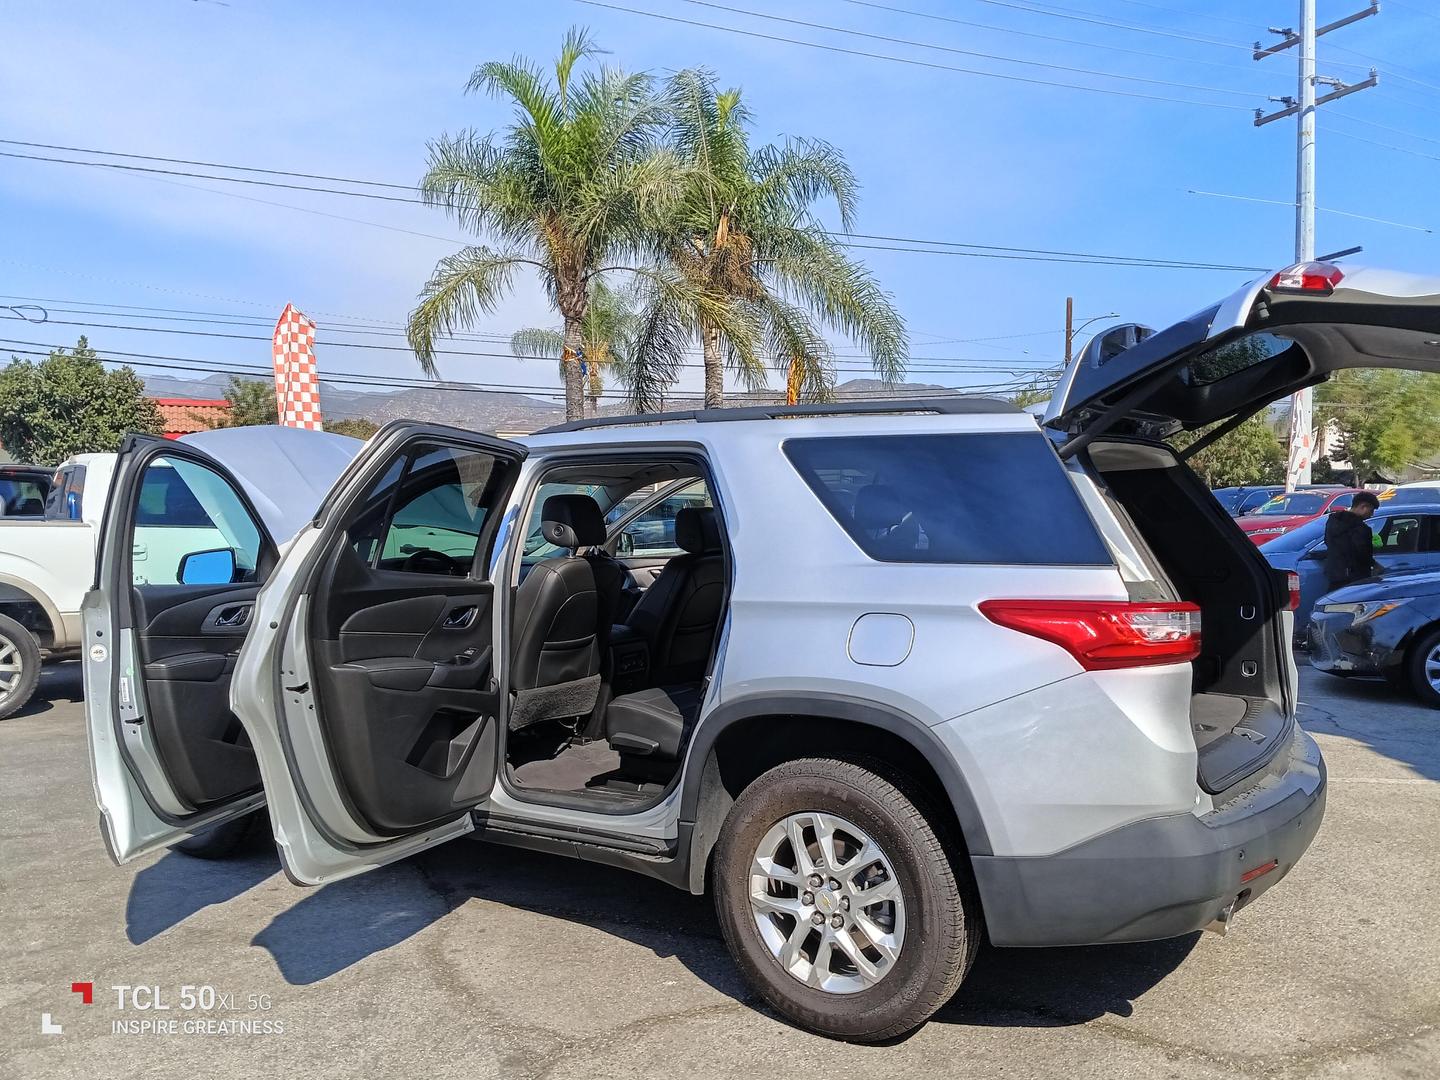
[570,770]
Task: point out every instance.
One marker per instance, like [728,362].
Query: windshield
[1409,496]
[1295,504]
[1298,539]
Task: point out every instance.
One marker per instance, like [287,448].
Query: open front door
[183,554]
[373,694]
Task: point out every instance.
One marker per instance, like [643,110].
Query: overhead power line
[162,361]
[907,60]
[964,52]
[1104,46]
[997,251]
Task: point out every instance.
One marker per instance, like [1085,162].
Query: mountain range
[462,406]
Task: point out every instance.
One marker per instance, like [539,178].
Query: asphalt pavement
[476,961]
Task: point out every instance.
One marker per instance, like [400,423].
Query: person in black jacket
[1349,543]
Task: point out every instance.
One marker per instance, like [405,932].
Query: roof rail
[944,406]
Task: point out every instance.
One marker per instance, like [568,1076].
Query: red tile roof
[185,415]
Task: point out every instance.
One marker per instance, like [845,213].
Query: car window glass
[962,498]
[1342,502]
[1253,500]
[651,534]
[1236,356]
[63,502]
[21,497]
[184,509]
[426,513]
[1294,504]
[1400,534]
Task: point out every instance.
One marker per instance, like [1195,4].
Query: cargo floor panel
[1235,736]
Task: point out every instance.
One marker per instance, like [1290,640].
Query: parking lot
[478,961]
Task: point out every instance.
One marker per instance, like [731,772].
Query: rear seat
[652,723]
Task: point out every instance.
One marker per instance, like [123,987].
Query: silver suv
[894,677]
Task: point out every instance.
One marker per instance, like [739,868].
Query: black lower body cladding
[1161,877]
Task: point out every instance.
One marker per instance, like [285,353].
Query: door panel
[189,637]
[402,666]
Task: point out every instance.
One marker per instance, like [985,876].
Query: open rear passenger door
[373,692]
[182,555]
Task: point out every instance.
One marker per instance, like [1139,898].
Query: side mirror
[626,546]
[215,567]
[1315,554]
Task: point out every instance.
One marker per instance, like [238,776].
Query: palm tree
[745,235]
[576,182]
[607,344]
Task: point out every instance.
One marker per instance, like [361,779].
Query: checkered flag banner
[297,382]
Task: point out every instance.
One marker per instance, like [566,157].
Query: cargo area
[1240,711]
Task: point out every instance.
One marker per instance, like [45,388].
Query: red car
[1290,510]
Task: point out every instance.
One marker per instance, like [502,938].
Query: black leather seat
[648,728]
[563,611]
[679,614]
[882,516]
[678,617]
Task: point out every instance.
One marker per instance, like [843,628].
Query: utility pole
[1302,106]
[1069,328]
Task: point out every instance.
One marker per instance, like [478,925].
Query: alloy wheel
[827,902]
[12,668]
[1431,667]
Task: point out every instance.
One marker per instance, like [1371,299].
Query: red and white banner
[297,381]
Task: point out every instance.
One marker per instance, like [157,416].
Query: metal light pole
[1302,405]
[1302,107]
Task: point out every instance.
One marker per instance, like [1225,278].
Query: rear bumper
[1158,878]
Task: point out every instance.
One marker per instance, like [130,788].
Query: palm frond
[463,287]
[535,341]
[810,269]
[789,179]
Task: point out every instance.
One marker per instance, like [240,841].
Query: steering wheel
[430,561]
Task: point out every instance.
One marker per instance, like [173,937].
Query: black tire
[17,646]
[1424,689]
[943,926]
[223,840]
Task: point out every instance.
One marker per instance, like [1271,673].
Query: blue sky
[355,90]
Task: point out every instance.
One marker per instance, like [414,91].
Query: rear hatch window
[951,498]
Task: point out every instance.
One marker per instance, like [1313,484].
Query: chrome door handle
[460,620]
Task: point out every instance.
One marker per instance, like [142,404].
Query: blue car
[1407,540]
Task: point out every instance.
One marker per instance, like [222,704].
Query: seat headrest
[878,507]
[697,530]
[572,521]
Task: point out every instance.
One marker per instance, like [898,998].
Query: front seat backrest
[559,609]
[680,613]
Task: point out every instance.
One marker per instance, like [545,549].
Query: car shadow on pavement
[337,926]
[342,924]
[177,886]
[1393,723]
[61,681]
[1061,987]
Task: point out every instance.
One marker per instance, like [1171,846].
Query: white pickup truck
[47,565]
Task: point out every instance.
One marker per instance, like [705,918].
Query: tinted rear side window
[982,498]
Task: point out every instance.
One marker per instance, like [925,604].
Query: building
[184,416]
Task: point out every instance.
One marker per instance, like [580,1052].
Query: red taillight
[1103,634]
[1311,277]
[1293,580]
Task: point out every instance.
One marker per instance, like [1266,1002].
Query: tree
[607,337]
[69,404]
[745,235]
[356,427]
[572,189]
[1251,454]
[1388,419]
[252,403]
